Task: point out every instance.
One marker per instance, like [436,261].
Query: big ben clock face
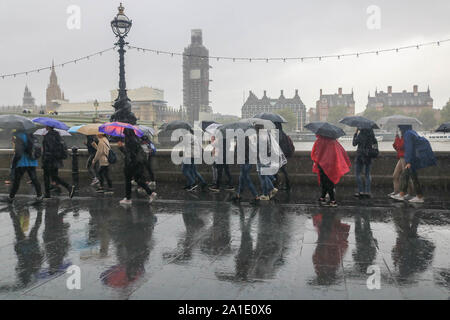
[195,74]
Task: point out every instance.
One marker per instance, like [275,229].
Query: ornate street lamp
[121,25]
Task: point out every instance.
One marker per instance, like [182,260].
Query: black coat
[51,146]
[364,140]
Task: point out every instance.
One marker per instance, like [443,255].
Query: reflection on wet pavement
[218,250]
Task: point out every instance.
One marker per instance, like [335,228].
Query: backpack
[424,155]
[112,157]
[373,151]
[34,149]
[61,150]
[289,146]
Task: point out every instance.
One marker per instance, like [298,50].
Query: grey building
[196,77]
[28,100]
[253,105]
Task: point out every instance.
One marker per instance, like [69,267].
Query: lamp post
[121,25]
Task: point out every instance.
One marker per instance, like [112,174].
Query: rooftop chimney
[296,92]
[340,91]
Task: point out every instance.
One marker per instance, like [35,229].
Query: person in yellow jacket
[101,156]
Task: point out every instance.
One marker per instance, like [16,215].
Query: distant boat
[437,136]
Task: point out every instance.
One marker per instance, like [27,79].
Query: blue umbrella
[74,129]
[50,122]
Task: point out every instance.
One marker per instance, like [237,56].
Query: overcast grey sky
[36,32]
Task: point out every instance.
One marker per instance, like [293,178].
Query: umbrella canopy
[359,122]
[147,130]
[16,122]
[271,117]
[211,129]
[87,129]
[445,127]
[245,124]
[44,131]
[325,129]
[50,122]
[267,124]
[177,124]
[116,129]
[399,119]
[205,124]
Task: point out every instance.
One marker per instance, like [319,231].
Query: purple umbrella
[116,129]
[50,122]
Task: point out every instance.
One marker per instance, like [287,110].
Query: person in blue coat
[418,155]
[22,162]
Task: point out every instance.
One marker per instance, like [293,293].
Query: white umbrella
[211,129]
[43,132]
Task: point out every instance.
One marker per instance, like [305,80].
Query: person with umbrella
[331,162]
[268,189]
[190,145]
[134,165]
[24,161]
[221,164]
[91,144]
[54,151]
[365,140]
[101,156]
[400,167]
[150,150]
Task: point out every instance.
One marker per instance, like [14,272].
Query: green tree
[428,119]
[290,117]
[336,114]
[445,113]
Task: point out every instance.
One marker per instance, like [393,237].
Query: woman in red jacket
[400,167]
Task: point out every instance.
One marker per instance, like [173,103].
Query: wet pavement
[202,246]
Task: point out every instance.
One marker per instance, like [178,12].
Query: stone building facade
[328,101]
[53,92]
[253,105]
[412,103]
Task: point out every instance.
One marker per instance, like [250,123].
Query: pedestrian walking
[287,147]
[418,155]
[191,150]
[331,162]
[54,151]
[24,161]
[101,157]
[134,165]
[366,151]
[150,151]
[222,165]
[11,172]
[400,167]
[91,145]
[244,176]
[213,166]
[267,188]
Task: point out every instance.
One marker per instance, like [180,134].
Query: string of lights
[234,59]
[301,59]
[61,65]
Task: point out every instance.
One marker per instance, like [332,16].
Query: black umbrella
[16,122]
[445,127]
[206,124]
[359,122]
[245,124]
[177,124]
[325,129]
[271,116]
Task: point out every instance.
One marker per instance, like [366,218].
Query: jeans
[197,175]
[134,172]
[52,172]
[410,174]
[92,169]
[360,164]
[190,172]
[244,179]
[18,173]
[103,174]
[223,168]
[266,182]
[327,185]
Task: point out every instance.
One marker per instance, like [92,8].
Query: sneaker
[229,188]
[125,201]
[72,192]
[153,184]
[273,193]
[333,204]
[357,195]
[416,200]
[264,198]
[408,197]
[94,181]
[236,198]
[109,191]
[134,183]
[214,189]
[322,201]
[152,197]
[392,195]
[398,197]
[100,190]
[366,195]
